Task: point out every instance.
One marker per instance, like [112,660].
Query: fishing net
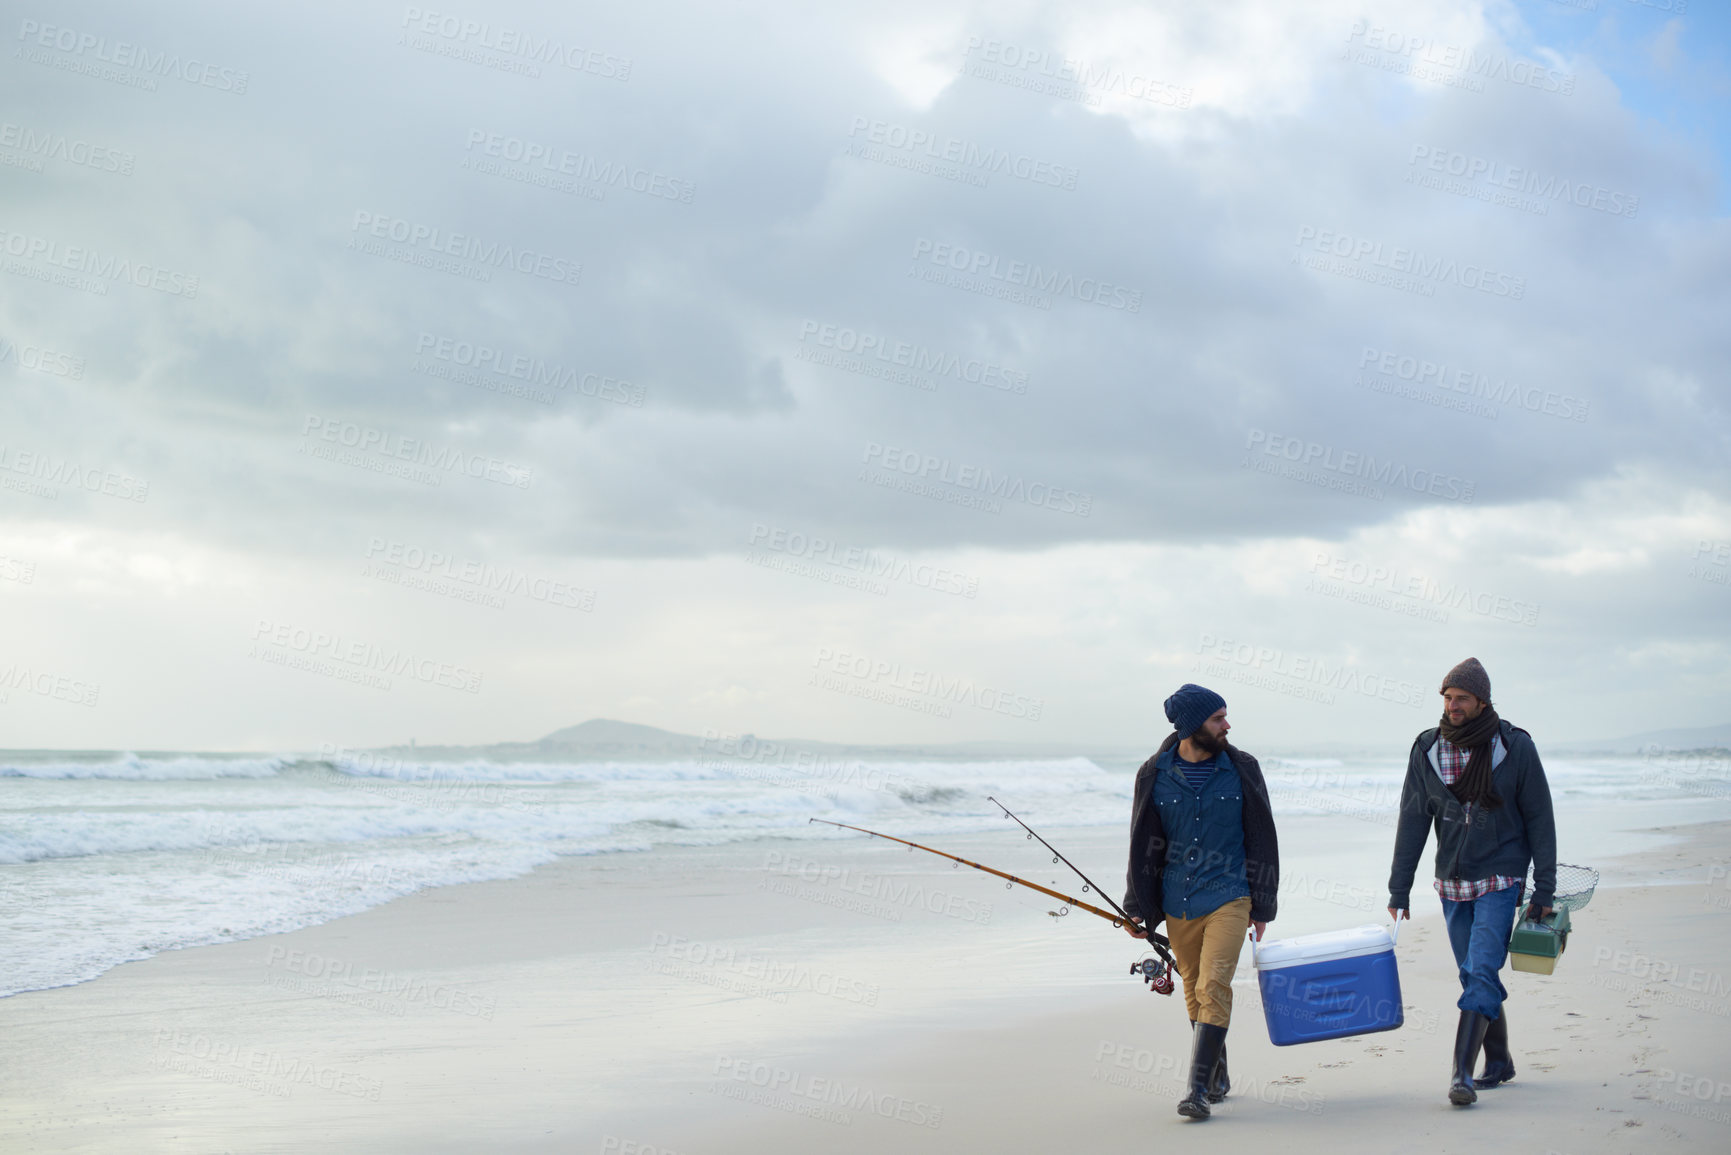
[1575,885]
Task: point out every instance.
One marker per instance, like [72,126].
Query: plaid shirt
[1453,760]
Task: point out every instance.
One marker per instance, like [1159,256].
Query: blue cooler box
[1328,986]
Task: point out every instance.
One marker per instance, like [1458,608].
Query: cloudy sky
[939,372]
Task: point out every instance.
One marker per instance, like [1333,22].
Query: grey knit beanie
[1471,677]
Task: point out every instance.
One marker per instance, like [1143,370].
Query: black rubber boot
[1219,1083]
[1469,1036]
[1499,1063]
[1204,1057]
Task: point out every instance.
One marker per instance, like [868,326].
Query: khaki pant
[1206,950]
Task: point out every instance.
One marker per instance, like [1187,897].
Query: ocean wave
[361,764]
[116,858]
[575,814]
[156,906]
[111,858]
[129,766]
[1273,763]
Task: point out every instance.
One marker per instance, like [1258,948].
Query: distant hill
[599,739]
[607,740]
[603,740]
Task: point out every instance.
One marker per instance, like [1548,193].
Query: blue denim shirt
[1205,837]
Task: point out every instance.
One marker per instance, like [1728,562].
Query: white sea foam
[133,767]
[110,909]
[121,857]
[115,858]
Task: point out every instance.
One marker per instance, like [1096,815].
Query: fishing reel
[1155,973]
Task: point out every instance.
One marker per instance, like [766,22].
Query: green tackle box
[1535,946]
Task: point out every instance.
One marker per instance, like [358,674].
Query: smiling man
[1479,780]
[1203,857]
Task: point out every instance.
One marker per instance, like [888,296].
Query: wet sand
[849,995]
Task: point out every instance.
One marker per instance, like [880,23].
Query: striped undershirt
[1195,773]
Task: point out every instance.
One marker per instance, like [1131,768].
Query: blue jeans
[1479,933]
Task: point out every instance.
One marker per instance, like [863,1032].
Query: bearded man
[1203,857]
[1479,781]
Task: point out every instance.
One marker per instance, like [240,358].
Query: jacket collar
[1163,756]
[1499,751]
[1168,758]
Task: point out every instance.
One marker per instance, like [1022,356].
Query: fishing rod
[1087,883]
[1151,971]
[1157,973]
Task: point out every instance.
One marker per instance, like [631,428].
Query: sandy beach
[500,503]
[851,995]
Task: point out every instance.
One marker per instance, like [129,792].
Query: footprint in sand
[1286,1080]
[1330,1066]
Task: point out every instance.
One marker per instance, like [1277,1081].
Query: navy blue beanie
[1191,706]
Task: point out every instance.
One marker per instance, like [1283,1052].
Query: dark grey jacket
[1502,841]
[1144,885]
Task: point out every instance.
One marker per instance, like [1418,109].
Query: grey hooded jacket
[1502,841]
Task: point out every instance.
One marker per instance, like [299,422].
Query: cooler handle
[1393,938]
